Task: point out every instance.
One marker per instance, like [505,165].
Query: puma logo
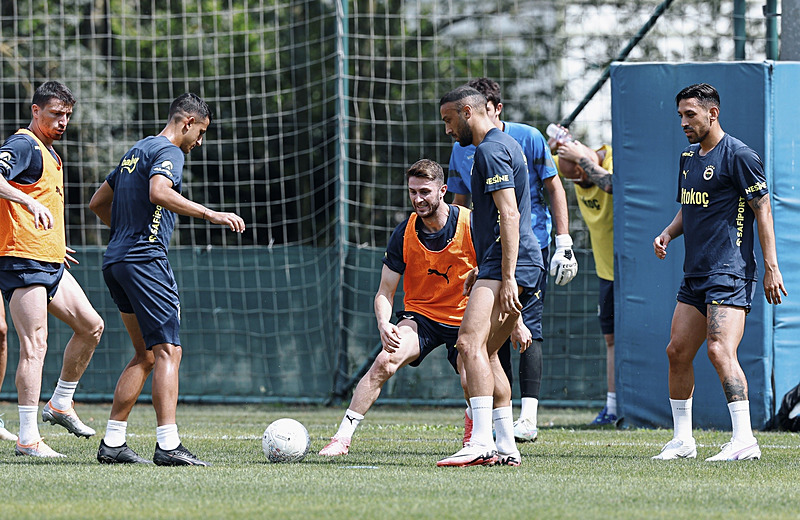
[351,419]
[443,275]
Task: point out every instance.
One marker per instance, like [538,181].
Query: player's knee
[677,355]
[384,367]
[718,353]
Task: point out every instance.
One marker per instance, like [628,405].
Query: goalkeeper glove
[563,265]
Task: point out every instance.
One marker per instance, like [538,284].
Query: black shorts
[605,306]
[431,334]
[717,289]
[16,273]
[148,290]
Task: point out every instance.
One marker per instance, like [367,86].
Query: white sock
[349,424]
[795,411]
[62,397]
[115,433]
[530,409]
[482,420]
[468,411]
[504,430]
[740,419]
[682,418]
[611,403]
[28,425]
[167,436]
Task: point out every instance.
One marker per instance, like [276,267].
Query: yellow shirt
[597,209]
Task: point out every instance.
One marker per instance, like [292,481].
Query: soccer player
[722,190]
[433,251]
[509,269]
[5,435]
[33,279]
[542,176]
[592,171]
[139,200]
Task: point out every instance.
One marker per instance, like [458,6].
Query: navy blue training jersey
[141,230]
[500,164]
[393,257]
[713,191]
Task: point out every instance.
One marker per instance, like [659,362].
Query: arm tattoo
[735,389]
[759,201]
[597,174]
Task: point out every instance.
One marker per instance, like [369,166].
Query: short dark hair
[463,96]
[426,169]
[489,88]
[191,105]
[53,89]
[702,92]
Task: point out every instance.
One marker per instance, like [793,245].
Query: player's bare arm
[390,334]
[461,199]
[472,277]
[41,215]
[506,203]
[558,204]
[162,194]
[773,280]
[674,230]
[101,203]
[580,154]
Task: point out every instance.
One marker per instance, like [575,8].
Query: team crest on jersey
[708,173]
[129,164]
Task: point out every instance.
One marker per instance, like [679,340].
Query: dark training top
[713,191]
[141,230]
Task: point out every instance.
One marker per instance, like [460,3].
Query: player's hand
[521,337]
[563,265]
[233,221]
[41,215]
[472,277]
[390,336]
[660,245]
[68,258]
[572,151]
[509,298]
[773,286]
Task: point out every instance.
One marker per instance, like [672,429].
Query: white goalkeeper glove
[563,265]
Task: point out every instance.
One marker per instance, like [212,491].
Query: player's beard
[464,132]
[432,208]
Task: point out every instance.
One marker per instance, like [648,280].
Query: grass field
[570,472]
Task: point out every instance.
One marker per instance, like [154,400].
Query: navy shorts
[431,334]
[526,275]
[605,306]
[717,289]
[148,290]
[16,273]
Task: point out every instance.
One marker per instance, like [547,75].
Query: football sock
[468,411]
[28,427]
[62,397]
[349,424]
[611,403]
[682,418]
[504,430]
[482,420]
[530,409]
[740,419]
[115,433]
[167,436]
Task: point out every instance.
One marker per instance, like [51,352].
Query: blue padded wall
[647,140]
[786,209]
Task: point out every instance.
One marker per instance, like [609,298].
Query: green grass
[570,472]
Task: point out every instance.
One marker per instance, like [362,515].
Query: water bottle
[560,135]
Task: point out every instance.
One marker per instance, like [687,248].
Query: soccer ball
[285,440]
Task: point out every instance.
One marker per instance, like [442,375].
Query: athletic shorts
[16,273]
[431,334]
[717,289]
[526,275]
[605,306]
[148,290]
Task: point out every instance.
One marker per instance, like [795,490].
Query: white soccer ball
[285,440]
